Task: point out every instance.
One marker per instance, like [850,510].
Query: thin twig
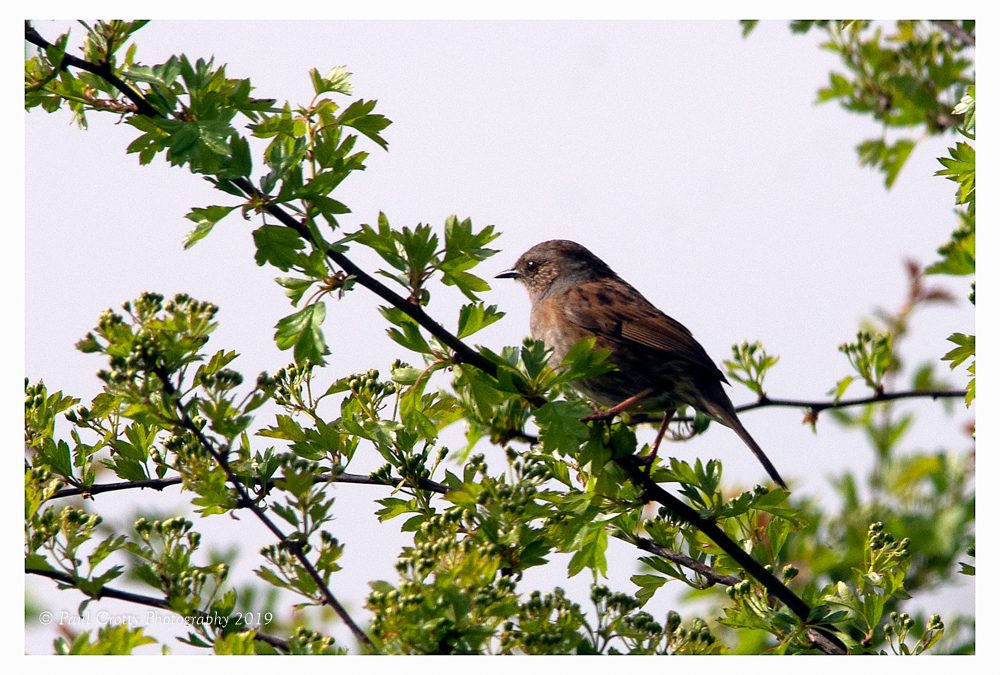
[157,484]
[814,407]
[294,547]
[102,70]
[701,568]
[161,483]
[147,600]
[819,406]
[956,31]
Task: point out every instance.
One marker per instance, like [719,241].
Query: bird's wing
[616,312]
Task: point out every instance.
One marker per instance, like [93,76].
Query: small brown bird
[660,366]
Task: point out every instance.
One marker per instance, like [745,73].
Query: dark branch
[956,31]
[814,407]
[820,640]
[820,406]
[102,70]
[635,469]
[161,483]
[246,501]
[147,600]
[462,352]
[687,561]
[157,484]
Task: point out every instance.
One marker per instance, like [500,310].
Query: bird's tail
[726,415]
[741,431]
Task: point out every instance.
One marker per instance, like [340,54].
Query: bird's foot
[599,415]
[606,415]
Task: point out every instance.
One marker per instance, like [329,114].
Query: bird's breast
[550,325]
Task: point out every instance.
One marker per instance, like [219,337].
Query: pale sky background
[694,161]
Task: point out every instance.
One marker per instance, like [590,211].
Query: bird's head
[555,263]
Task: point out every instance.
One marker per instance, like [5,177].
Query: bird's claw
[599,416]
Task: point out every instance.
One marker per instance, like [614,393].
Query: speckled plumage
[574,295]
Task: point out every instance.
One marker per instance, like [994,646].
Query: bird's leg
[667,416]
[614,410]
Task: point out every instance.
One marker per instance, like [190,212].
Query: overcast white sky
[693,161]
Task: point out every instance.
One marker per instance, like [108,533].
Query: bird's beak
[509,274]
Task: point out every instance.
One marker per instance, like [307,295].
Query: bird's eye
[530,265]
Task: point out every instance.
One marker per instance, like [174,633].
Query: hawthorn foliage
[782,574]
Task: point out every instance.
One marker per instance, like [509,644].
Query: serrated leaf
[591,551]
[966,348]
[294,287]
[408,334]
[473,318]
[337,80]
[648,585]
[302,332]
[277,245]
[559,425]
[359,116]
[204,219]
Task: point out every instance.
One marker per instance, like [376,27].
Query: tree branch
[814,407]
[157,484]
[820,406]
[160,483]
[820,640]
[956,31]
[701,568]
[147,600]
[294,547]
[463,352]
[817,407]
[102,70]
[635,469]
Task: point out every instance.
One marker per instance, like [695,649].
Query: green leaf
[842,386]
[473,318]
[959,254]
[294,287]
[961,168]
[241,644]
[394,506]
[648,585]
[408,334]
[56,456]
[359,116]
[747,26]
[464,249]
[887,158]
[591,552]
[239,162]
[967,106]
[840,87]
[303,332]
[966,349]
[559,425]
[583,359]
[278,245]
[382,241]
[337,80]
